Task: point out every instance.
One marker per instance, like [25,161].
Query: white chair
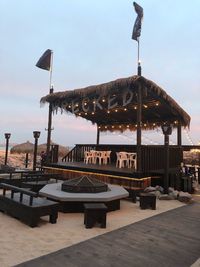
[108,156]
[102,157]
[94,156]
[132,158]
[87,157]
[122,159]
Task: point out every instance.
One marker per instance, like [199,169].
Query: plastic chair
[87,157]
[108,156]
[132,161]
[122,159]
[102,157]
[94,156]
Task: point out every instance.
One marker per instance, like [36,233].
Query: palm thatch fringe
[168,111]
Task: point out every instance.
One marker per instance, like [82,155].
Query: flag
[45,60]
[138,22]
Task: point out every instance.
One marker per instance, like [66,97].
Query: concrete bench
[26,206]
[95,213]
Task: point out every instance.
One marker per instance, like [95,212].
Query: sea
[4,148]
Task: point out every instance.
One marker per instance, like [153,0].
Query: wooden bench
[134,192]
[26,205]
[95,213]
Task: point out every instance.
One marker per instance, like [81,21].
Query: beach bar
[134,104]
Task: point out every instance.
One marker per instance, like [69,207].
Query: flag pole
[135,36]
[139,114]
[139,70]
[49,129]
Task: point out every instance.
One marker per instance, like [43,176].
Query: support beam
[139,130]
[179,135]
[98,135]
[166,175]
[179,143]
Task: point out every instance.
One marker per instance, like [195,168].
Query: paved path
[170,239]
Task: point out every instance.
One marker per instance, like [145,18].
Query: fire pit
[74,193]
[84,184]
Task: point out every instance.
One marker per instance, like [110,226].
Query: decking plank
[170,239]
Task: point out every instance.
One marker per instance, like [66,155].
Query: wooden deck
[129,178]
[169,239]
[93,168]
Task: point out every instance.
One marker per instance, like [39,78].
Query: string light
[188,137]
[103,100]
[116,110]
[108,111]
[125,109]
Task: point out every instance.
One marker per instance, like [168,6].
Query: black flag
[138,22]
[45,61]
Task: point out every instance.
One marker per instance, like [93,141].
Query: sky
[91,43]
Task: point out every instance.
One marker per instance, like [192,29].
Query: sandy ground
[20,242]
[14,160]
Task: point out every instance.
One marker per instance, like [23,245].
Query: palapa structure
[134,103]
[24,148]
[115,105]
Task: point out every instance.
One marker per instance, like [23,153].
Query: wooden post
[166,176]
[139,131]
[49,129]
[26,161]
[179,143]
[179,136]
[167,130]
[98,135]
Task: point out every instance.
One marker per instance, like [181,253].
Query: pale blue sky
[92,44]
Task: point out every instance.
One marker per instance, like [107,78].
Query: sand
[14,160]
[20,242]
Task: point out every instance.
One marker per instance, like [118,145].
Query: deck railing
[152,157]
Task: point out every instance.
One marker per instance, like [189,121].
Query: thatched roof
[113,105]
[24,148]
[62,150]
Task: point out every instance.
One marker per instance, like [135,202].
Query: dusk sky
[91,42]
